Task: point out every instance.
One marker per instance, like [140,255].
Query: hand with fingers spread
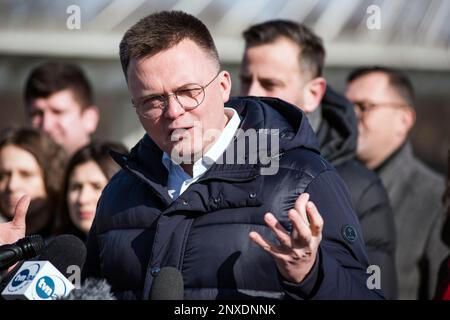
[296,252]
[14,230]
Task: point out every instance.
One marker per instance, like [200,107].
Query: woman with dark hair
[31,163]
[87,173]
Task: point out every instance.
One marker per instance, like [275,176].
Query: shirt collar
[214,152]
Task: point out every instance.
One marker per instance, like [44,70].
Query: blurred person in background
[87,173]
[384,103]
[443,287]
[284,59]
[32,164]
[59,101]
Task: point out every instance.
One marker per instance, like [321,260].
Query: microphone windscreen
[64,251]
[92,289]
[168,285]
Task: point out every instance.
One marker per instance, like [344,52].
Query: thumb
[21,211]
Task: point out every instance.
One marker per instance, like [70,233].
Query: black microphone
[25,248]
[64,251]
[168,285]
[92,289]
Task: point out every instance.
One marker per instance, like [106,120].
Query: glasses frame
[166,97]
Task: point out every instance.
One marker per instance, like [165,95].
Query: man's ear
[225,85]
[313,93]
[90,118]
[407,119]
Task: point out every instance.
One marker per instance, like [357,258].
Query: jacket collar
[145,164]
[338,132]
[397,166]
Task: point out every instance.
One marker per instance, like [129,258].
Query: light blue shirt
[178,180]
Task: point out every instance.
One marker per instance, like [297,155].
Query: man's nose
[48,123]
[173,108]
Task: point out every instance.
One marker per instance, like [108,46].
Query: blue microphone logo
[23,277]
[45,287]
[50,287]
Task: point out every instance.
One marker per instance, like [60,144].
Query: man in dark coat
[194,191]
[284,59]
[384,100]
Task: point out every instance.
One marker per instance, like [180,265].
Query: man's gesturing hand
[296,252]
[14,230]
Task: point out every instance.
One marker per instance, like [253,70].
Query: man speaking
[205,193]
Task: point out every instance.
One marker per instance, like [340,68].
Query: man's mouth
[179,133]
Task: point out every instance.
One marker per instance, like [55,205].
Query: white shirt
[178,180]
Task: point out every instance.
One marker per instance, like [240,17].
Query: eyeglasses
[189,96]
[365,106]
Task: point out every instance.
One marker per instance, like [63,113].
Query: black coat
[204,233]
[337,136]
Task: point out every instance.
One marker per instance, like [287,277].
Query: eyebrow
[52,108]
[273,80]
[149,96]
[154,95]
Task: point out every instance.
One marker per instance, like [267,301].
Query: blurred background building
[413,35]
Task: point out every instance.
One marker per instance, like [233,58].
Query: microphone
[63,251]
[45,279]
[92,289]
[168,285]
[7,276]
[25,248]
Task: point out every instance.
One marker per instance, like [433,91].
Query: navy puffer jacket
[204,233]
